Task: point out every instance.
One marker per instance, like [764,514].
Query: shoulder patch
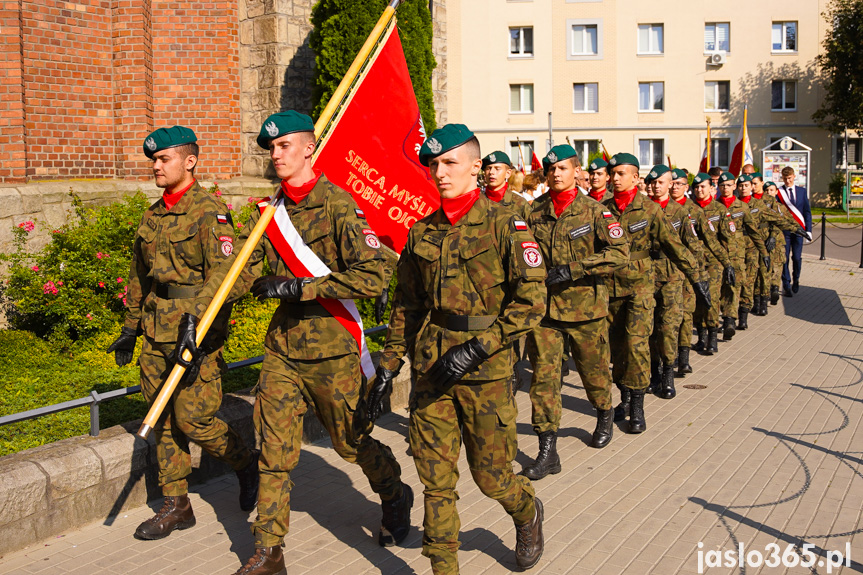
[225,219]
[615,231]
[606,214]
[520,226]
[676,224]
[360,213]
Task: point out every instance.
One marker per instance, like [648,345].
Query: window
[651,152]
[524,156]
[784,96]
[716,96]
[784,36]
[521,98]
[650,39]
[585,40]
[585,149]
[585,98]
[521,42]
[651,97]
[719,152]
[855,151]
[716,37]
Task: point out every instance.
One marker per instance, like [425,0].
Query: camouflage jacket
[772,204]
[645,223]
[730,225]
[767,219]
[714,254]
[182,249]
[334,228]
[665,271]
[583,238]
[515,203]
[488,264]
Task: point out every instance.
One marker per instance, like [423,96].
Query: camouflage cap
[726,177]
[496,157]
[443,140]
[282,123]
[597,164]
[559,153]
[701,177]
[677,173]
[655,172]
[164,138]
[623,159]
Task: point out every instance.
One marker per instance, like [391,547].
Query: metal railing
[94,399]
[824,237]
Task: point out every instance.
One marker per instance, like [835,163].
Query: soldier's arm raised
[709,239]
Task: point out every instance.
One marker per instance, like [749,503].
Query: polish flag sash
[303,262]
[795,213]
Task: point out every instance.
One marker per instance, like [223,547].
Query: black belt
[305,310]
[167,291]
[655,254]
[639,255]
[462,322]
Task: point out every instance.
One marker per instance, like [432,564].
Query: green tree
[342,26]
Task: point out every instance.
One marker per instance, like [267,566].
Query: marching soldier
[598,179]
[776,238]
[631,303]
[470,283]
[497,170]
[181,241]
[581,242]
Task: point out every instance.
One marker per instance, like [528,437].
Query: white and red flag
[742,153]
[795,213]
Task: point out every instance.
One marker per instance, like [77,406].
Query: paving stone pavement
[769,452]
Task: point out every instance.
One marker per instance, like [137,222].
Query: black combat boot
[756,305]
[742,319]
[774,295]
[636,412]
[683,366]
[712,341]
[249,481]
[655,376]
[604,428]
[176,513]
[547,461]
[265,561]
[728,328]
[701,344]
[621,412]
[763,306]
[529,542]
[667,391]
[396,522]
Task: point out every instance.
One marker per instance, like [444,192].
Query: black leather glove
[728,276]
[123,347]
[279,287]
[802,233]
[766,261]
[186,340]
[558,274]
[382,388]
[702,291]
[381,305]
[456,362]
[770,244]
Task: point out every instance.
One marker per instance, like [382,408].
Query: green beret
[623,159]
[597,164]
[677,173]
[726,177]
[164,138]
[560,153]
[281,123]
[744,178]
[443,140]
[545,164]
[701,177]
[497,157]
[768,183]
[655,172]
[758,175]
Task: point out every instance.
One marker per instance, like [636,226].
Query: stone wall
[440,73]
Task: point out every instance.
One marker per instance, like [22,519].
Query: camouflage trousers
[709,317]
[630,323]
[588,343]
[190,414]
[684,338]
[731,294]
[482,415]
[667,317]
[285,390]
[747,290]
[777,261]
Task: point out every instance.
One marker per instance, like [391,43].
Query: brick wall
[12,156]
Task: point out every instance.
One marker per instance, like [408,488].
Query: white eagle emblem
[593,165]
[151,144]
[271,129]
[434,146]
[552,157]
[653,174]
[492,158]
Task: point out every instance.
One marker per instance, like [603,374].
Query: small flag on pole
[742,153]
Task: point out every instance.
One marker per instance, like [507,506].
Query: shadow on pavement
[816,305]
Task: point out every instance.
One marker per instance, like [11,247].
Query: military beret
[282,123]
[700,177]
[443,140]
[655,172]
[756,175]
[623,159]
[545,164]
[164,138]
[768,183]
[744,178]
[597,164]
[497,157]
[677,173]
[726,177]
[560,153]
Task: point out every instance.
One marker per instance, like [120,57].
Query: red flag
[605,155]
[703,167]
[742,153]
[373,149]
[535,163]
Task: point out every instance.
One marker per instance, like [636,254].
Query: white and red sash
[795,213]
[303,262]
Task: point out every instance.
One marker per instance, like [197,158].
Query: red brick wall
[12,151]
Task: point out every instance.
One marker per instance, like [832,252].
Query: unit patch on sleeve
[227,245]
[372,239]
[520,226]
[615,231]
[532,257]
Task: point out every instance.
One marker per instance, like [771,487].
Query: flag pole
[708,143]
[257,232]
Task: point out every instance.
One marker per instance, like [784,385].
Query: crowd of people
[615,271]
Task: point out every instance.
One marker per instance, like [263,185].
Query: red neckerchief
[758,196]
[745,199]
[662,203]
[497,196]
[623,199]
[597,194]
[705,202]
[172,199]
[681,201]
[726,201]
[562,199]
[455,208]
[299,193]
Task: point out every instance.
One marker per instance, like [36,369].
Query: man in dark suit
[799,197]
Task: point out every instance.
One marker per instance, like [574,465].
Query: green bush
[835,190]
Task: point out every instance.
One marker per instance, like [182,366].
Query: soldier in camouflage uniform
[777,238]
[631,302]
[497,169]
[581,242]
[181,241]
[470,283]
[598,178]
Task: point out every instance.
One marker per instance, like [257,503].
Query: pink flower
[253,200]
[59,283]
[35,268]
[233,322]
[239,226]
[89,316]
[119,280]
[49,288]
[27,226]
[218,193]
[100,255]
[101,284]
[230,206]
[57,232]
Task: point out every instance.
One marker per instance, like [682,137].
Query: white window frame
[839,149]
[783,49]
[570,38]
[586,110]
[521,99]
[652,96]
[714,139]
[716,84]
[796,96]
[581,145]
[522,54]
[637,138]
[715,26]
[651,50]
[527,146]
